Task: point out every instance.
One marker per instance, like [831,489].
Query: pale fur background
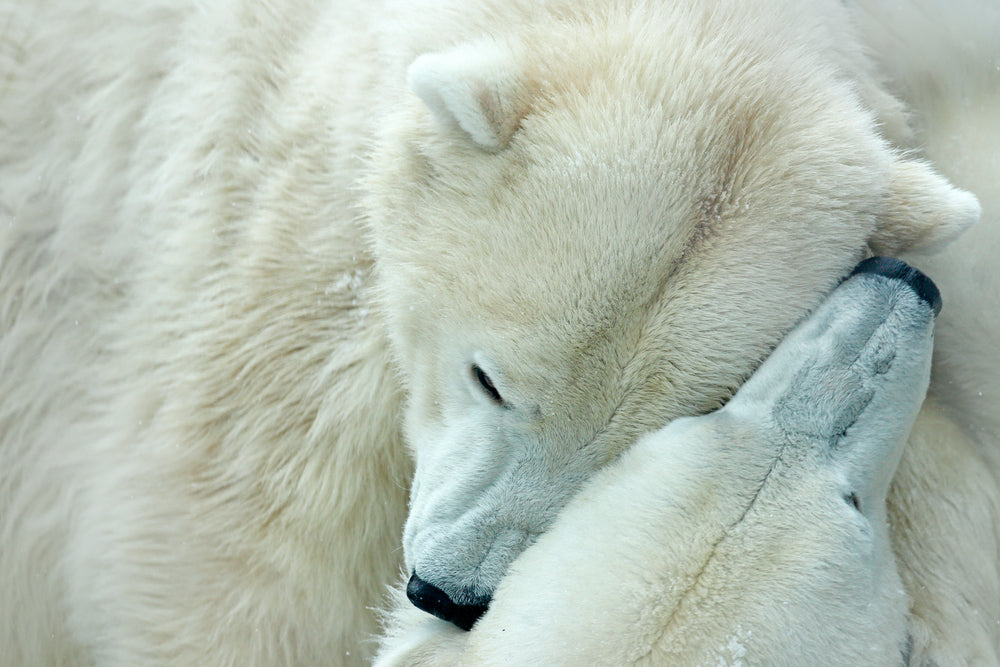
[201,457]
[945,61]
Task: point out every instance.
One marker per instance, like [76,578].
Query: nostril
[891,267]
[428,597]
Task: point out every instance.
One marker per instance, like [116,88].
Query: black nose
[433,600]
[891,267]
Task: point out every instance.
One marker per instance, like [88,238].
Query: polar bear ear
[924,212]
[474,86]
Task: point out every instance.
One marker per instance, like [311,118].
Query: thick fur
[236,249]
[200,429]
[754,535]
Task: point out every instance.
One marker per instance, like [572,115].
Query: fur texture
[240,259]
[754,535]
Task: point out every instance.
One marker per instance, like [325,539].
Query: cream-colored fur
[199,431]
[234,245]
[754,535]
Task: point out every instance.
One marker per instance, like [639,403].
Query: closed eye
[852,499]
[486,384]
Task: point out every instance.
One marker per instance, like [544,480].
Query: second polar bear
[755,535]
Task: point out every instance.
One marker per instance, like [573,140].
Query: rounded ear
[477,87]
[923,212]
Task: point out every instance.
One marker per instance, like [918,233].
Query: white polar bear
[755,535]
[251,249]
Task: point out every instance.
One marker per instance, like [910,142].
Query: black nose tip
[433,600]
[891,267]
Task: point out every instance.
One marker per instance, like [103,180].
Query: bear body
[250,252]
[135,436]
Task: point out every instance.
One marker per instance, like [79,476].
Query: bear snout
[428,597]
[891,267]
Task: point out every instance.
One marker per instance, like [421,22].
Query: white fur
[731,538]
[240,258]
[472,85]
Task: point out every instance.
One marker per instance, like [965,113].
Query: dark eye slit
[487,385]
[852,499]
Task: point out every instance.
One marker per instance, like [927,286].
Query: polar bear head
[753,535]
[583,233]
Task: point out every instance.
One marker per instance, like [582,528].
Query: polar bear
[754,535]
[256,253]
